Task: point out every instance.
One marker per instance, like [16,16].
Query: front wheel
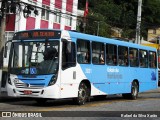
[83,94]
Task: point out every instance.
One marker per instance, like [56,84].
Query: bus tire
[82,94]
[134,91]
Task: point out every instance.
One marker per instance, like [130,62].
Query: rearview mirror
[6,48]
[5,51]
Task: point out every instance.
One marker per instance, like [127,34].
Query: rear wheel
[134,91]
[83,94]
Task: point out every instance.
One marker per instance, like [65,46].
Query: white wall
[38,17]
[74,12]
[21,21]
[63,15]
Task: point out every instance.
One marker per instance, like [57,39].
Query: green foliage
[121,14]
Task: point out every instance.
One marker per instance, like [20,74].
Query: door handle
[74,74]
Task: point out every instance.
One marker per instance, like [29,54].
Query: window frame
[123,58]
[57,16]
[68,20]
[155,60]
[83,56]
[141,64]
[45,11]
[135,59]
[68,56]
[101,60]
[111,59]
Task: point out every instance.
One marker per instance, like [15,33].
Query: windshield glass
[38,57]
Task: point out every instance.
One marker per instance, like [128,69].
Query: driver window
[17,61]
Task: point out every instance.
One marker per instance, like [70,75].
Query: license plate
[27,92]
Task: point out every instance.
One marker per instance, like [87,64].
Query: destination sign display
[37,34]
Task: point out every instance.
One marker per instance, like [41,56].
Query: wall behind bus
[66,8]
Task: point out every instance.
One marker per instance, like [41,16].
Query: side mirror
[6,48]
[5,51]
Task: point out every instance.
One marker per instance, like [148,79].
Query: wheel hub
[82,94]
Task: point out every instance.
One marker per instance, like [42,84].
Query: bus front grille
[29,86]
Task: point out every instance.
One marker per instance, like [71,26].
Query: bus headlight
[9,81]
[53,80]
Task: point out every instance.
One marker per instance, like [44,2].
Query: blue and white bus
[56,64]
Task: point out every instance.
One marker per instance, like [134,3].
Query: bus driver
[50,62]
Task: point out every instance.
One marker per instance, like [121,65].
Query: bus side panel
[99,79]
[129,75]
[70,81]
[124,79]
[111,79]
[119,77]
[147,81]
[95,78]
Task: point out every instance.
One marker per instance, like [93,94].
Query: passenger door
[68,71]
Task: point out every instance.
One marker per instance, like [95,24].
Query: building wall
[153,34]
[116,32]
[67,7]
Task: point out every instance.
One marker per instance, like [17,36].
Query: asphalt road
[147,106]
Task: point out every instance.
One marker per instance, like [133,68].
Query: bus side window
[111,54]
[133,57]
[80,58]
[83,51]
[68,55]
[123,56]
[152,60]
[98,53]
[143,58]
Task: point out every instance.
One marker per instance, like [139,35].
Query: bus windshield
[38,57]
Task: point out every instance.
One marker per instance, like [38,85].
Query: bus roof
[74,34]
[107,40]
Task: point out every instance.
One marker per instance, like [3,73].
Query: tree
[122,14]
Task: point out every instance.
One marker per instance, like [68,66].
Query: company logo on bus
[116,70]
[153,76]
